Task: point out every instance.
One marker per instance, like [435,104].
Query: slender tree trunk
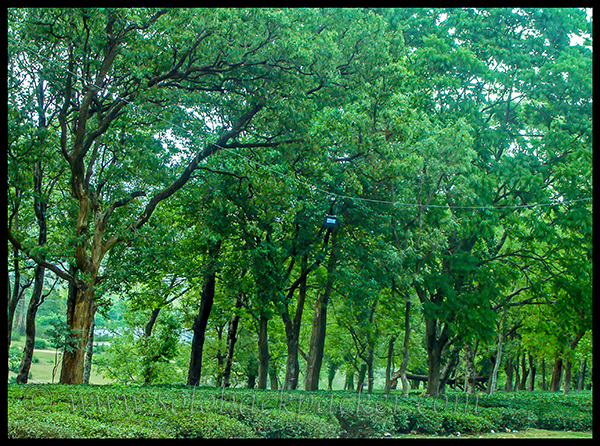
[39,205]
[532,368]
[370,376]
[292,330]
[569,359]
[494,376]
[263,351]
[231,340]
[16,297]
[362,372]
[201,320]
[405,355]
[199,330]
[317,339]
[389,364]
[581,380]
[543,374]
[34,303]
[524,372]
[470,367]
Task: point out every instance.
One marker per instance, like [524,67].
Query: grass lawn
[41,371]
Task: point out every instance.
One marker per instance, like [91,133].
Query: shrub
[464,423]
[275,423]
[363,420]
[565,420]
[425,421]
[503,418]
[209,425]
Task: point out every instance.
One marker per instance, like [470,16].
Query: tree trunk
[370,376]
[569,359]
[81,309]
[556,375]
[16,297]
[470,367]
[34,304]
[389,364]
[405,355]
[39,205]
[362,371]
[543,374]
[292,329]
[231,340]
[199,330]
[317,338]
[524,372]
[509,371]
[436,336]
[263,351]
[494,376]
[581,380]
[201,320]
[532,368]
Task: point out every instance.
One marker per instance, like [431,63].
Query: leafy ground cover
[58,411]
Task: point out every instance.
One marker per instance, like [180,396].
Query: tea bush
[58,411]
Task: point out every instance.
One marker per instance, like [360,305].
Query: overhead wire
[304,182]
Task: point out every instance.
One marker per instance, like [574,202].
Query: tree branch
[52,267]
[210,149]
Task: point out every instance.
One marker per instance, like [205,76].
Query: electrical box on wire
[331,221]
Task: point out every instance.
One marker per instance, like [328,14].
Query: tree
[99,89]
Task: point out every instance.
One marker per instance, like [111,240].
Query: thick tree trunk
[436,338]
[317,338]
[81,309]
[556,375]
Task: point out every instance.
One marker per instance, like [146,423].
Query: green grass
[41,370]
[115,411]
